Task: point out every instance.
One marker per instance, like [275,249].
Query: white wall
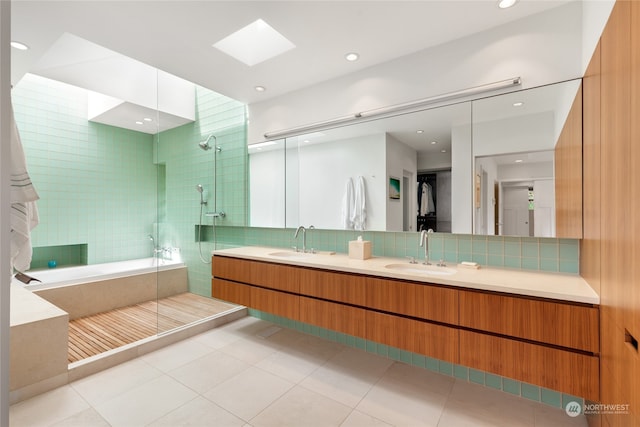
[5,204]
[323,171]
[484,216]
[595,14]
[534,132]
[266,189]
[401,161]
[544,208]
[542,49]
[525,171]
[461,180]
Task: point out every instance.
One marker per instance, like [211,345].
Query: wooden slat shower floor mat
[95,334]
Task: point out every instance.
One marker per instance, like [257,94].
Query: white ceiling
[177,36]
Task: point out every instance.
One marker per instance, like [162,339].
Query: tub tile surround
[523,253]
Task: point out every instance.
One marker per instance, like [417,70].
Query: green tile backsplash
[544,254]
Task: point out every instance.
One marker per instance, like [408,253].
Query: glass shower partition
[200,156]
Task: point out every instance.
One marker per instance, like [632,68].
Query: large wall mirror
[452,168]
[523,181]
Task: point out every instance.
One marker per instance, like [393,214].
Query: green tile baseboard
[533,392]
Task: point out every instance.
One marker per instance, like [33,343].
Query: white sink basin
[291,254]
[427,270]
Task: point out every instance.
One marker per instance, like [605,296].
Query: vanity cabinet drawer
[437,341]
[563,324]
[339,287]
[567,371]
[424,301]
[236,293]
[264,274]
[274,302]
[336,317]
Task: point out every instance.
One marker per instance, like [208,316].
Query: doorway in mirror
[434,201]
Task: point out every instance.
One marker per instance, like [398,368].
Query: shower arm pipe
[383,111]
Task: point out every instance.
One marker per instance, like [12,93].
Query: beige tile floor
[250,373]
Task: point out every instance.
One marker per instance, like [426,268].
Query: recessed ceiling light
[139,122]
[519,161]
[419,131]
[443,151]
[518,104]
[254,43]
[19,46]
[434,142]
[260,88]
[351,56]
[147,119]
[505,4]
[306,141]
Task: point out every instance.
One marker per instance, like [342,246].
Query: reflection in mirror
[516,141]
[267,184]
[332,174]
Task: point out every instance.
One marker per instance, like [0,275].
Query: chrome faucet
[424,241]
[304,238]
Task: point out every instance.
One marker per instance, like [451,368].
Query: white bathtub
[64,276]
[90,289]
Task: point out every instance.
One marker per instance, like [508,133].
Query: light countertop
[558,286]
[27,307]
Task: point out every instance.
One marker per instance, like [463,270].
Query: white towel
[427,205]
[359,215]
[24,212]
[347,205]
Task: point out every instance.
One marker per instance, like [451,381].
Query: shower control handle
[220,214]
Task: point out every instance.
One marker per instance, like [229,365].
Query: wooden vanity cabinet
[570,325]
[570,372]
[553,344]
[428,339]
[547,343]
[341,287]
[269,275]
[336,317]
[397,313]
[424,301]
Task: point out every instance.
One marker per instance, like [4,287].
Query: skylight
[254,43]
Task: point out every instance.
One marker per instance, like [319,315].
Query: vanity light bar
[300,130]
[503,84]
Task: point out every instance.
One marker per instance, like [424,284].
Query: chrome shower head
[200,190]
[205,144]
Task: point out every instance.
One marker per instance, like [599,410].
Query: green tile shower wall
[543,254]
[108,188]
[222,175]
[508,385]
[84,172]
